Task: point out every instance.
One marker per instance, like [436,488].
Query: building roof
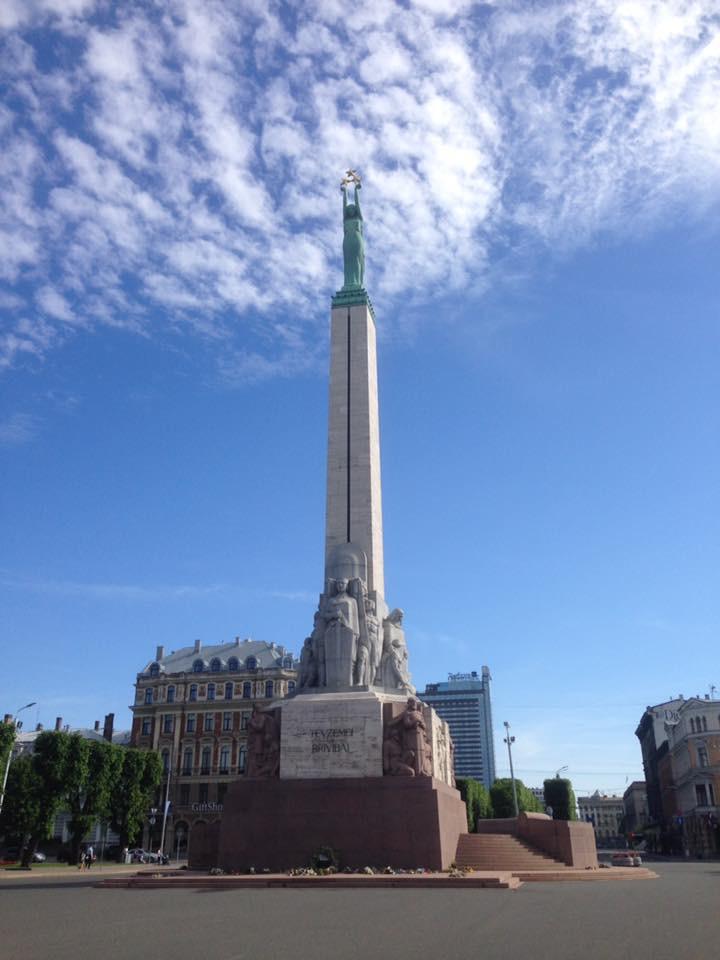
[182,661]
[25,739]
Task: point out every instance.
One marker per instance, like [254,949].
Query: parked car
[138,855]
[623,858]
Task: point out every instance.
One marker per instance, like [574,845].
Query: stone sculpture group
[349,647]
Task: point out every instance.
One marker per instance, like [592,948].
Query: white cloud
[194,149]
[18,428]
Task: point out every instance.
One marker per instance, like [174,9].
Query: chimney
[97,725]
[58,723]
[198,644]
[237,641]
[160,653]
[108,727]
[39,727]
[8,718]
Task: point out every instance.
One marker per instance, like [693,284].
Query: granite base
[377,821]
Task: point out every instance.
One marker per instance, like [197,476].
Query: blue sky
[541,199]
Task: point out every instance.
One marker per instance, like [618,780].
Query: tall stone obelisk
[354,762]
[356,641]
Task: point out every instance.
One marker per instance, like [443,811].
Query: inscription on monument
[338,737]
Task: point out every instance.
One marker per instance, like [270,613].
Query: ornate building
[193,707]
[680,744]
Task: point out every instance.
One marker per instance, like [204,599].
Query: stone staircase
[502,851]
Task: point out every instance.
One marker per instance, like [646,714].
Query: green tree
[501,797]
[476,799]
[7,738]
[560,796]
[93,772]
[45,789]
[133,793]
[21,810]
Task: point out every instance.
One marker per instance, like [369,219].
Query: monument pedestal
[407,822]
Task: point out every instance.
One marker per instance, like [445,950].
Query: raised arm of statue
[358,213]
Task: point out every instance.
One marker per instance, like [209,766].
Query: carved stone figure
[308,676]
[342,631]
[374,641]
[394,664]
[409,731]
[263,758]
[393,763]
[353,239]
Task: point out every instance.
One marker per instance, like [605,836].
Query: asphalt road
[676,917]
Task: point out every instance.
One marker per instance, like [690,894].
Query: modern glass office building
[464,701]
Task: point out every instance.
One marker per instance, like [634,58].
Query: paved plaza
[675,917]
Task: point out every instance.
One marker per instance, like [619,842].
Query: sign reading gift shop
[206,807]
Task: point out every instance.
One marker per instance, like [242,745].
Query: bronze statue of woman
[353,240]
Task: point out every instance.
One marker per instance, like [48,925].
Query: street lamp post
[509,741]
[9,756]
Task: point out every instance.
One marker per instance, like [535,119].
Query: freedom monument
[354,763]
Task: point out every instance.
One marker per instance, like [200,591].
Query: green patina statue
[353,239]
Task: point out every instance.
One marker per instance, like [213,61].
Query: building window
[228,691]
[244,721]
[168,723]
[233,663]
[154,669]
[242,759]
[165,761]
[146,726]
[203,793]
[269,688]
[211,691]
[184,794]
[209,722]
[187,762]
[227,722]
[702,756]
[193,692]
[247,690]
[225,759]
[215,665]
[251,664]
[171,694]
[692,725]
[198,666]
[291,687]
[190,723]
[222,790]
[704,721]
[205,760]
[148,695]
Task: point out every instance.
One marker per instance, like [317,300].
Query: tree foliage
[50,768]
[92,775]
[476,799]
[134,791]
[93,780]
[7,738]
[501,798]
[560,796]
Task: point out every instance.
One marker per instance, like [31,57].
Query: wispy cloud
[129,592]
[178,161]
[18,428]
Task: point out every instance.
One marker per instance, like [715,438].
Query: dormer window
[215,665]
[287,663]
[233,663]
[154,669]
[198,666]
[251,663]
